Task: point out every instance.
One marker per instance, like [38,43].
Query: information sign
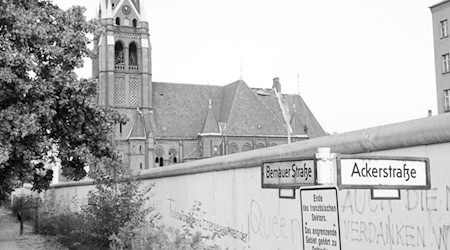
[380,172]
[320,218]
[292,173]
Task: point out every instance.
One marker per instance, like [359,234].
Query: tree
[46,113]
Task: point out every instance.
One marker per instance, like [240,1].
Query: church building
[171,123]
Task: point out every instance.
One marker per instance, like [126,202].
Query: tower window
[444,29]
[132,53]
[119,60]
[134,23]
[140,166]
[446,63]
[117,20]
[120,128]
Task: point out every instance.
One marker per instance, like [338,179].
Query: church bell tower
[123,69]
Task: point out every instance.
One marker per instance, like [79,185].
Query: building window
[446,63]
[444,29]
[126,22]
[119,60]
[159,152]
[117,21]
[173,156]
[246,147]
[233,149]
[447,100]
[132,54]
[134,23]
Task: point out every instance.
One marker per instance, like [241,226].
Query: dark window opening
[134,23]
[133,54]
[140,149]
[140,166]
[118,52]
[117,20]
[156,160]
[120,128]
[175,160]
[161,162]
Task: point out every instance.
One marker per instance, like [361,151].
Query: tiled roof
[249,116]
[182,111]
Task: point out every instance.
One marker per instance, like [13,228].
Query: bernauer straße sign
[288,173]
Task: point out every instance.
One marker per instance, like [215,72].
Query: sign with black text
[375,172]
[293,173]
[320,218]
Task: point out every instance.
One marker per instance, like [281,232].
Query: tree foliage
[43,106]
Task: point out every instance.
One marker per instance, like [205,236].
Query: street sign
[381,172]
[320,218]
[288,174]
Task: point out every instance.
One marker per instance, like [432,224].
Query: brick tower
[123,69]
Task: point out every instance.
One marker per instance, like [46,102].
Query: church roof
[138,128]
[210,125]
[182,111]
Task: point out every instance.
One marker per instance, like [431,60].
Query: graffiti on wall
[414,221]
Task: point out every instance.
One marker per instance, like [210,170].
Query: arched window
[126,22]
[134,23]
[233,149]
[159,153]
[260,145]
[117,20]
[132,54]
[172,155]
[119,60]
[140,149]
[246,147]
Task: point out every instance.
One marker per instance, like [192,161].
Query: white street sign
[284,174]
[375,172]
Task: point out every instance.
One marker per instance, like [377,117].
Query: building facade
[440,18]
[171,123]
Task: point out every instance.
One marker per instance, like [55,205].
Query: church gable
[211,125]
[306,119]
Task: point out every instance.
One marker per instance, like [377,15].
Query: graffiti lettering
[272,226]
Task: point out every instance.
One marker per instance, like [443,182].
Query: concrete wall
[233,202]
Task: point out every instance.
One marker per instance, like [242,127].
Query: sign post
[320,218]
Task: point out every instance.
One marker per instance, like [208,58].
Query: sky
[356,63]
